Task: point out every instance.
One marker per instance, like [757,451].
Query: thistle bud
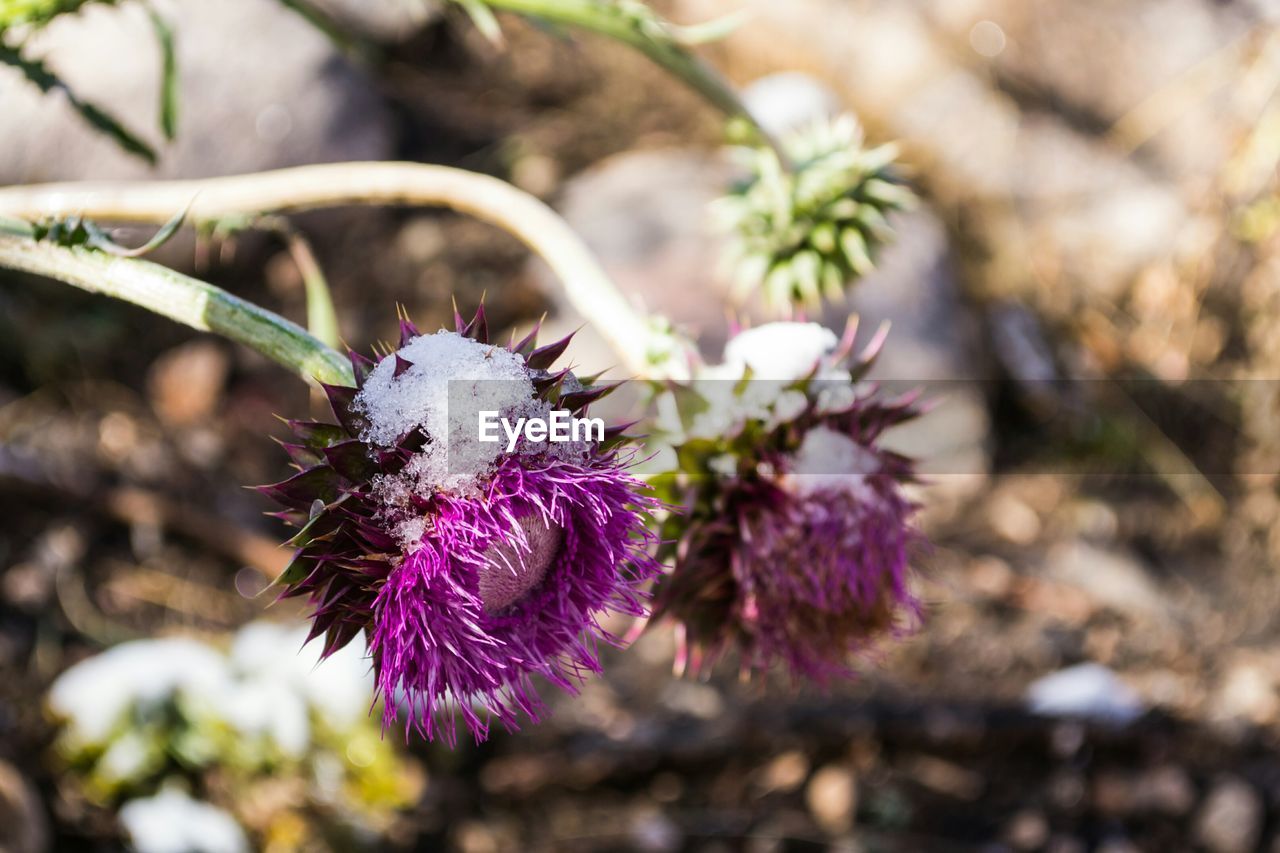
[804,234]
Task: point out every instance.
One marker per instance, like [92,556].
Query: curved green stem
[644,350]
[182,298]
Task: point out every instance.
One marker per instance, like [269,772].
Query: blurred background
[1100,666]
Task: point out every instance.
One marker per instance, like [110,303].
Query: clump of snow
[338,687]
[829,461]
[777,355]
[782,350]
[172,822]
[420,395]
[95,695]
[268,686]
[451,381]
[1089,691]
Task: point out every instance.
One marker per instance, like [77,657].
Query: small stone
[1230,818]
[832,798]
[654,832]
[1113,579]
[1167,789]
[1013,520]
[186,383]
[1247,692]
[784,773]
[1027,830]
[1114,793]
[697,700]
[945,777]
[991,577]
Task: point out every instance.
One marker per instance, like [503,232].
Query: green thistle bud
[804,234]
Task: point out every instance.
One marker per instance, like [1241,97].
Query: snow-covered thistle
[795,546]
[471,569]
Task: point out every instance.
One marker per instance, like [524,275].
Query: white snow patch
[172,822]
[777,355]
[452,380]
[269,685]
[829,461]
[339,687]
[1087,690]
[96,694]
[782,350]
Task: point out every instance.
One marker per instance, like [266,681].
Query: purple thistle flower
[469,578]
[795,551]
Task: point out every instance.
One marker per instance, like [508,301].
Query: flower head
[804,233]
[795,550]
[471,565]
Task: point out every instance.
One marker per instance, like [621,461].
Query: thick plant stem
[178,297]
[636,25]
[585,282]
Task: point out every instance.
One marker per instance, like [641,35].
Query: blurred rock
[933,344]
[29,585]
[1246,692]
[1088,691]
[789,101]
[832,798]
[644,216]
[945,777]
[1230,819]
[784,773]
[23,828]
[282,97]
[697,700]
[186,383]
[1107,59]
[1167,790]
[1110,578]
[1102,214]
[1026,830]
[1086,210]
[654,832]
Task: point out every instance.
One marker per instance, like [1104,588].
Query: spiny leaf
[39,74]
[168,74]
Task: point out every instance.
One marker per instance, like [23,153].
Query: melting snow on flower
[470,568]
[796,547]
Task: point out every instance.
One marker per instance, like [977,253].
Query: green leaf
[168,74]
[855,250]
[39,74]
[99,239]
[37,12]
[299,567]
